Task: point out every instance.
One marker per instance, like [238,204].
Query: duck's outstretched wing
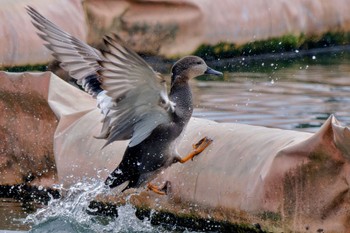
[76,57]
[139,94]
[130,94]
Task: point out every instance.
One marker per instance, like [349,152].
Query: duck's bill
[212,71]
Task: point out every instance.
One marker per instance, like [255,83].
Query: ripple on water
[299,98]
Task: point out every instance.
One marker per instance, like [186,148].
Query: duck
[133,101]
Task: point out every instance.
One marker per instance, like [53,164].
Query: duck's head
[190,67]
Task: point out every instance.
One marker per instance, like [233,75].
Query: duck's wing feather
[139,94]
[76,57]
[134,100]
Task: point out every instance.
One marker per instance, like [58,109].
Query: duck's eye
[199,62]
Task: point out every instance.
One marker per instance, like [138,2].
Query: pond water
[298,94]
[293,92]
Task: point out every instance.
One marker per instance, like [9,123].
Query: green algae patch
[24,68]
[167,219]
[178,222]
[286,43]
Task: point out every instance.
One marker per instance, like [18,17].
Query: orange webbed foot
[197,149]
[161,190]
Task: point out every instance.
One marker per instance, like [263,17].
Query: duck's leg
[158,189]
[197,149]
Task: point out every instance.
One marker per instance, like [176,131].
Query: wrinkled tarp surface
[165,27]
[20,45]
[27,126]
[173,28]
[285,180]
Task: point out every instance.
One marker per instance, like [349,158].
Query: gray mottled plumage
[132,97]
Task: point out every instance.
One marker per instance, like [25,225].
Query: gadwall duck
[133,100]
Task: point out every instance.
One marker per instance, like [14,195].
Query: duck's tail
[118,178]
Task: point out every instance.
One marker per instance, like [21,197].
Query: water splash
[73,203]
[70,213]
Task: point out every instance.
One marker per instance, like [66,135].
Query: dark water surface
[298,93]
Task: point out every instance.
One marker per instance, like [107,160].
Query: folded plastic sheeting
[177,27]
[27,126]
[285,180]
[165,27]
[20,45]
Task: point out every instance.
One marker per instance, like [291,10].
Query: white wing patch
[105,103]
